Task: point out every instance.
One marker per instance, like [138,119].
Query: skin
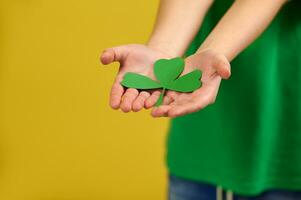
[132,58]
[240,26]
[163,43]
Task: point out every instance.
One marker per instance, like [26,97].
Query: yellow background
[59,140]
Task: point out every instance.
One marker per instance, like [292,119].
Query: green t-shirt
[249,140]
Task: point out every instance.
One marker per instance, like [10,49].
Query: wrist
[164,47]
[215,50]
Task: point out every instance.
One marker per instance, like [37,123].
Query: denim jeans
[182,189]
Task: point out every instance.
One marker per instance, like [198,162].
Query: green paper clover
[167,72]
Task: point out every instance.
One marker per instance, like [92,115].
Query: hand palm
[140,59]
[212,65]
[132,58]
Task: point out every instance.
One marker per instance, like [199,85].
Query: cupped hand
[132,58]
[214,67]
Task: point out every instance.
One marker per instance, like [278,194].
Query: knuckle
[144,94]
[131,92]
[156,93]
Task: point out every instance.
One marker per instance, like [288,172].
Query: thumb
[114,54]
[222,66]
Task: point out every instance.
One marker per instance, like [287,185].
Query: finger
[181,110]
[160,111]
[151,101]
[222,66]
[113,54]
[189,107]
[116,94]
[127,99]
[172,94]
[167,100]
[139,101]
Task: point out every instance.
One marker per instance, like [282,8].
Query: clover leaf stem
[160,100]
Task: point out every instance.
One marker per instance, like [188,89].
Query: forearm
[241,25]
[177,23]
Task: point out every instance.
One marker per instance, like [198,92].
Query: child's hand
[214,67]
[132,58]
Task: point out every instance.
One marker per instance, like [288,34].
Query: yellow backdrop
[59,140]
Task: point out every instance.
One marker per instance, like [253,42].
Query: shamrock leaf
[187,83]
[133,80]
[167,73]
[168,70]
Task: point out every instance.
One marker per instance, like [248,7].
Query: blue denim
[182,189]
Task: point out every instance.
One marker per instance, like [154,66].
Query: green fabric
[249,141]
